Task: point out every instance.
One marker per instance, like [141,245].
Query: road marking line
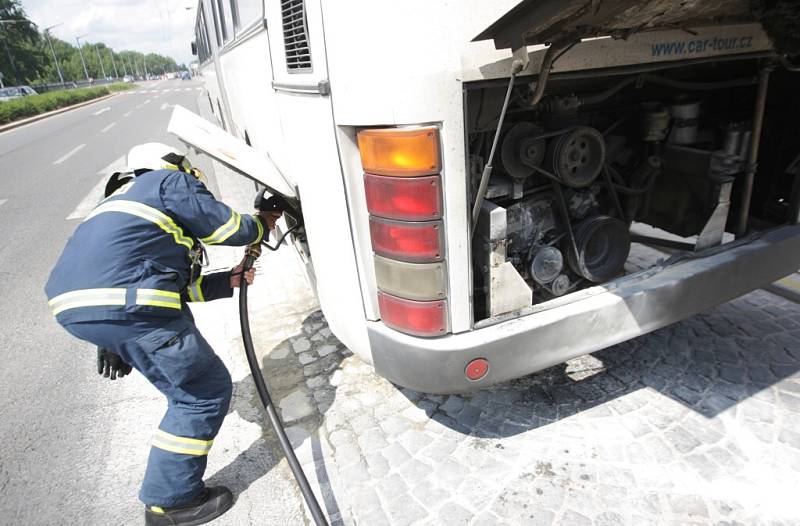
[187,89]
[166,105]
[127,113]
[198,89]
[138,107]
[147,101]
[96,194]
[102,111]
[108,127]
[3,201]
[69,154]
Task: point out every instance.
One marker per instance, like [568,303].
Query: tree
[25,57]
[22,54]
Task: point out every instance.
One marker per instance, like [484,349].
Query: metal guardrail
[45,88]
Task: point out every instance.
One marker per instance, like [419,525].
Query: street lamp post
[100,60]
[113,63]
[78,40]
[53,50]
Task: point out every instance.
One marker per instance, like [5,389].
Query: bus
[487,189]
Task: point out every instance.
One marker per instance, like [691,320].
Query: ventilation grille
[295,36]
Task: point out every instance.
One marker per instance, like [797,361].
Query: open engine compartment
[599,153]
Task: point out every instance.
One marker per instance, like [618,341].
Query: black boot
[210,504]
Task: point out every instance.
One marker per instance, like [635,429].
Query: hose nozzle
[251,254]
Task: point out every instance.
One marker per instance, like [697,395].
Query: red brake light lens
[404,198]
[419,318]
[415,242]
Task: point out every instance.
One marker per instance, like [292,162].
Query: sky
[149,26]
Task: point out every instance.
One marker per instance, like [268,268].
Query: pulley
[577,156]
[522,150]
[603,244]
[546,265]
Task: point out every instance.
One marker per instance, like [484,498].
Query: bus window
[247,12]
[226,22]
[216,23]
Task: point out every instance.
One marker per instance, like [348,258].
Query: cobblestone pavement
[697,423]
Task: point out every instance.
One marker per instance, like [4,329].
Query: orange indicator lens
[401,152]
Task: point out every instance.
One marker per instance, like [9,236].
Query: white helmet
[158,156]
[151,156]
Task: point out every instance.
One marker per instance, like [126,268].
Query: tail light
[403,187]
[404,198]
[419,318]
[416,242]
[404,152]
[414,281]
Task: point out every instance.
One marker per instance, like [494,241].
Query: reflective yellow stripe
[158,298]
[113,297]
[260,235]
[183,445]
[157,509]
[196,290]
[225,231]
[87,298]
[148,213]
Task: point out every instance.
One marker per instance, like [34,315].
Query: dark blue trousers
[174,356]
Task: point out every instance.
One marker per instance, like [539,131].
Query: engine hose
[251,255]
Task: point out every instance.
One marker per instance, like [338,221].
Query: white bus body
[383,64]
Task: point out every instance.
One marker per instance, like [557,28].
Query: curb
[41,116]
[788,287]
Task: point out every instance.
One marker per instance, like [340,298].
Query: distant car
[127,78]
[185,75]
[15,92]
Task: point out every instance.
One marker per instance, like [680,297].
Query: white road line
[96,194]
[187,89]
[198,89]
[102,111]
[69,154]
[147,101]
[165,106]
[3,201]
[127,113]
[108,127]
[138,107]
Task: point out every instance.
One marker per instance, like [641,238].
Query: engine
[576,171]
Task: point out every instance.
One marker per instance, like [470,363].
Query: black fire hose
[251,254]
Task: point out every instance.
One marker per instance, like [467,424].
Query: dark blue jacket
[135,254]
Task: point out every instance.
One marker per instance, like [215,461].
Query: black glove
[110,365]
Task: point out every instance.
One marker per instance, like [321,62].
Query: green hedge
[121,86]
[16,109]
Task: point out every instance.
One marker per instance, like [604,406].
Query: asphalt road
[56,458]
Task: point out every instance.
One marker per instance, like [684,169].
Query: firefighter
[123,282]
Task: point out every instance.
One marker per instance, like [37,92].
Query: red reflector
[404,198]
[476,369]
[415,242]
[420,318]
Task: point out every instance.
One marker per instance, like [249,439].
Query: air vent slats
[295,36]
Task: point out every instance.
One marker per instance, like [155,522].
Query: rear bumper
[597,318]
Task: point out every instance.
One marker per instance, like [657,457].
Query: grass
[23,107]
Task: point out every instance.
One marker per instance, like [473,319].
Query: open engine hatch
[230,151]
[540,21]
